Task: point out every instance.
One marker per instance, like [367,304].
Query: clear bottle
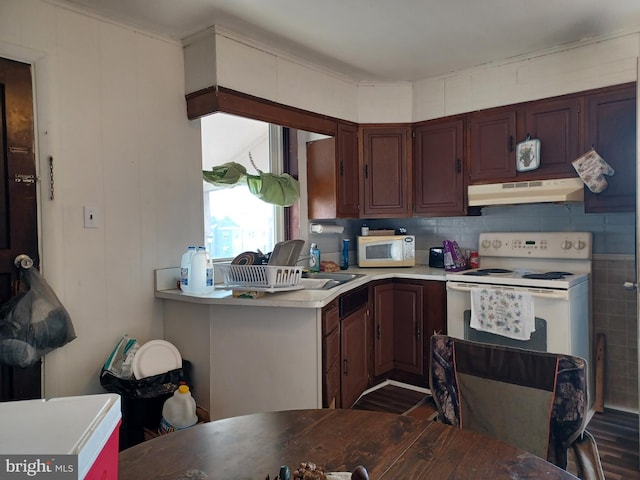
[185,269]
[178,411]
[199,271]
[345,254]
[314,258]
[209,274]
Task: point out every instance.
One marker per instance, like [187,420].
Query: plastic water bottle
[209,274]
[199,272]
[314,258]
[185,270]
[345,254]
[178,411]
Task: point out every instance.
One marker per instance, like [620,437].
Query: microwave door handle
[396,250]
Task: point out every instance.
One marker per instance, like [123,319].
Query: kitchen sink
[326,280]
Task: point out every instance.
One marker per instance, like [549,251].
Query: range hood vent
[537,191]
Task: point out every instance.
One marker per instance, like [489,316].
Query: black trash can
[142,400]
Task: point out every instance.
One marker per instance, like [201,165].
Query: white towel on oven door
[503,312]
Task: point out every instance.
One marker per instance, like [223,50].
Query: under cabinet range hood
[536,191]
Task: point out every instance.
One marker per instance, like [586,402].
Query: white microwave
[387,251]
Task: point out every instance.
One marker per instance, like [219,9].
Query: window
[236,221]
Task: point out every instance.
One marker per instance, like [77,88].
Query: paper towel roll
[319,228]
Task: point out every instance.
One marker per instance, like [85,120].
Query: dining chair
[536,401]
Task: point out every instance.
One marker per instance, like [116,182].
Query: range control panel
[572,245]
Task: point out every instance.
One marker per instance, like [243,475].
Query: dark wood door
[387,179]
[348,171]
[383,318]
[331,356]
[435,316]
[407,327]
[438,166]
[355,355]
[18,207]
[556,123]
[610,127]
[321,178]
[492,145]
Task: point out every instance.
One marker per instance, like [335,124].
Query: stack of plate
[155,357]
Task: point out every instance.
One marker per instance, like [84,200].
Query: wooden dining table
[389,446]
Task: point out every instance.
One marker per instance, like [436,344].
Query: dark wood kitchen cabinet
[492,137]
[384,315]
[355,341]
[405,314]
[331,356]
[610,128]
[386,176]
[440,187]
[408,347]
[556,123]
[495,133]
[333,175]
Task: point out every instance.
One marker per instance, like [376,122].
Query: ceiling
[387,40]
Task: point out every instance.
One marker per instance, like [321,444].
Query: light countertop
[166,278]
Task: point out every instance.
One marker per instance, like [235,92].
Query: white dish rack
[263,278]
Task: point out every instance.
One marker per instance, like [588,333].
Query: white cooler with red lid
[86,426]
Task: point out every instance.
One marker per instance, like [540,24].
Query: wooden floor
[616,432]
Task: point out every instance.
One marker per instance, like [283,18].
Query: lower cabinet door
[355,357]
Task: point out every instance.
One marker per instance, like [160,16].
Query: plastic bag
[32,323]
[148,387]
[120,361]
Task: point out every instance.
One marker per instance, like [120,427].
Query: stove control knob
[496,244]
[566,244]
[486,244]
[580,245]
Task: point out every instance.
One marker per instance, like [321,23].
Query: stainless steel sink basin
[326,280]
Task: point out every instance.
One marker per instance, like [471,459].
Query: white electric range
[553,267]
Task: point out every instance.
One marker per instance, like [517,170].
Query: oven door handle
[535,292]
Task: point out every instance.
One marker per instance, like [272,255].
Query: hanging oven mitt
[592,168]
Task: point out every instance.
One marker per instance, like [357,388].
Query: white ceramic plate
[155,357]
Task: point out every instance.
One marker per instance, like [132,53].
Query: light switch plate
[90,217]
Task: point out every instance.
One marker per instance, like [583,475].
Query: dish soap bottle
[345,254]
[314,258]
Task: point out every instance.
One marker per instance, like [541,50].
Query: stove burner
[547,275]
[483,272]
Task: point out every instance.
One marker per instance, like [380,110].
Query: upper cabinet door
[333,175]
[438,167]
[386,176]
[492,145]
[556,123]
[321,178]
[610,128]
[348,171]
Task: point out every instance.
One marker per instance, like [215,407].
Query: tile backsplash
[615,316]
[614,308]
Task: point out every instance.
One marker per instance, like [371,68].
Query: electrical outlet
[90,217]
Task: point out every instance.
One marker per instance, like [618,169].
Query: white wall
[243,65]
[557,72]
[110,109]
